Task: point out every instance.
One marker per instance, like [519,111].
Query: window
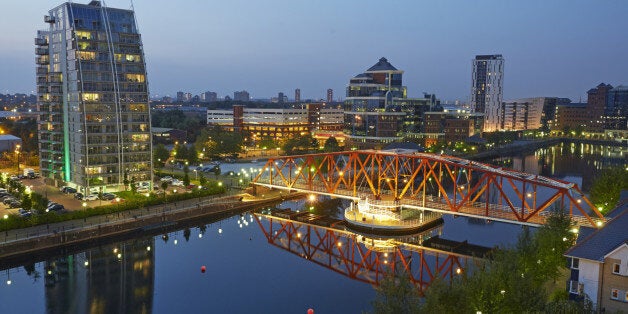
[616,268]
[575,287]
[614,294]
[575,263]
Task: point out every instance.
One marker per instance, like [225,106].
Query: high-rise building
[281,98]
[94,123]
[330,95]
[487,82]
[297,95]
[209,97]
[180,96]
[241,96]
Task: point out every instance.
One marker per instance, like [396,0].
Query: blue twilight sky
[552,48]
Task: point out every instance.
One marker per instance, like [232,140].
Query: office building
[596,104]
[487,82]
[550,108]
[277,123]
[330,95]
[94,123]
[377,109]
[297,95]
[241,96]
[616,109]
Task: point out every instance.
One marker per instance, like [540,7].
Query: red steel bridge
[431,182]
[361,257]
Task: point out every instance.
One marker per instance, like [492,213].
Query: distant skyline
[551,48]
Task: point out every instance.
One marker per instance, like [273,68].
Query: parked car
[117,200]
[107,196]
[177,182]
[78,196]
[7,200]
[15,204]
[166,179]
[4,194]
[24,213]
[13,177]
[68,190]
[50,203]
[190,186]
[55,208]
[91,197]
[142,189]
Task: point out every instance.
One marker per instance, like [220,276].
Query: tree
[396,294]
[268,142]
[331,145]
[607,186]
[201,179]
[27,202]
[181,152]
[216,141]
[186,176]
[164,186]
[300,144]
[125,180]
[160,155]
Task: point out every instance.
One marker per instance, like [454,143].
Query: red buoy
[203,269]
[310,311]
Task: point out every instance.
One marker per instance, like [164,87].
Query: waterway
[244,272]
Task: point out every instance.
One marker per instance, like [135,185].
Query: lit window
[614,294]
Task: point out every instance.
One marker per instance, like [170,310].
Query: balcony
[42,70]
[41,51]
[42,60]
[49,19]
[41,42]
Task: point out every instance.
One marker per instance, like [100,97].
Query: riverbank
[524,146]
[21,242]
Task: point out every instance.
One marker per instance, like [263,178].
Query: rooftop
[382,65]
[603,241]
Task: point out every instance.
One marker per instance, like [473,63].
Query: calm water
[245,273]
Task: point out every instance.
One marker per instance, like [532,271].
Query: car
[15,204]
[55,208]
[4,194]
[68,190]
[176,182]
[7,200]
[142,189]
[91,197]
[166,179]
[13,177]
[190,186]
[50,203]
[107,196]
[3,190]
[24,213]
[78,196]
[117,200]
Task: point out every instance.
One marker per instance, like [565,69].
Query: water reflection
[115,278]
[368,257]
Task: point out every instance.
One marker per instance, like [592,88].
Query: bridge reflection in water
[363,257]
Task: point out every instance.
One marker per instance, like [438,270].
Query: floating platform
[388,217]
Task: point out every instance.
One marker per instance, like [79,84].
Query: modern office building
[241,96]
[550,109]
[616,109]
[377,109]
[487,83]
[277,123]
[94,123]
[297,95]
[330,95]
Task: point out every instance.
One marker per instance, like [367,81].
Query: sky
[556,48]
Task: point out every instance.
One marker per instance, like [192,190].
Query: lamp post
[17,152]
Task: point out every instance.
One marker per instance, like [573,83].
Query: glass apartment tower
[94,123]
[487,89]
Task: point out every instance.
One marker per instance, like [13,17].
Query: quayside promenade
[24,241]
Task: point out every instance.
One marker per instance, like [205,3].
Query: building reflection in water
[568,160]
[117,278]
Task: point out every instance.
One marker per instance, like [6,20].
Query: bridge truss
[431,182]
